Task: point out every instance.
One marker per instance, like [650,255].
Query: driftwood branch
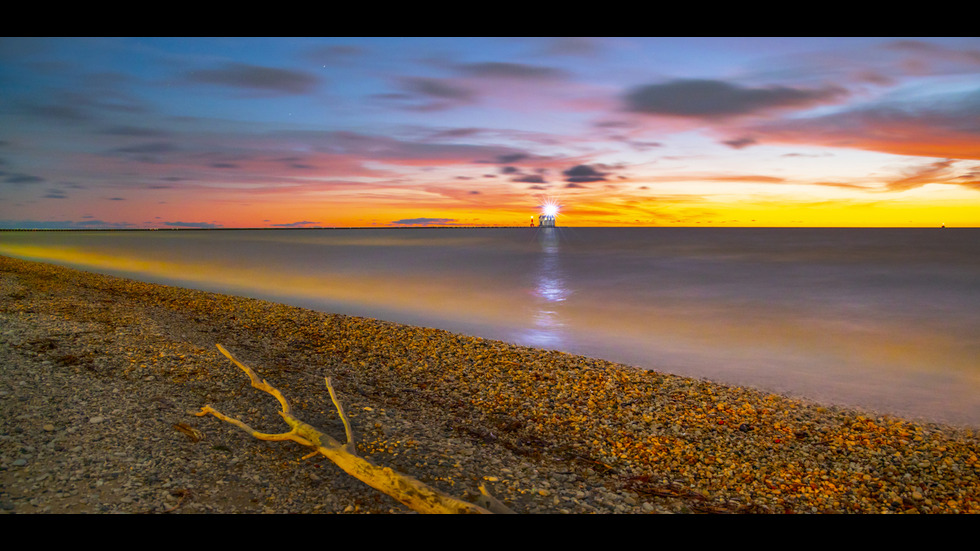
[409,491]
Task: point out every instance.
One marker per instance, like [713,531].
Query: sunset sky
[339,132]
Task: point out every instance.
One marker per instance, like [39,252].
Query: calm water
[887,319]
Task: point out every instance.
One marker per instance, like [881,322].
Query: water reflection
[550,291]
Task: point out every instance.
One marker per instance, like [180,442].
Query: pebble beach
[100,378]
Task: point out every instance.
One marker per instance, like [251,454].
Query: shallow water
[886,319]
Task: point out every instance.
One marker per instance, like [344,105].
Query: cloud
[496,69]
[391,150]
[430,94]
[512,158]
[151,148]
[716,99]
[942,127]
[135,131]
[294,224]
[101,224]
[424,221]
[530,179]
[739,143]
[58,113]
[437,88]
[19,178]
[454,133]
[204,225]
[937,172]
[254,77]
[582,174]
[61,224]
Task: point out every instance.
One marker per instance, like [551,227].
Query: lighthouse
[547,217]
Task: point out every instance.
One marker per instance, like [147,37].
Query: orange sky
[138,133]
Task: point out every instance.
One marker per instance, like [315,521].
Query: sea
[882,319]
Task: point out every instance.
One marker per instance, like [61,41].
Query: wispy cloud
[941,126]
[202,225]
[716,99]
[256,77]
[521,71]
[424,221]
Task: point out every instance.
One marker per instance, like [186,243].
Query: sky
[404,132]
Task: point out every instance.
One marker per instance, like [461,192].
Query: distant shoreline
[493,227]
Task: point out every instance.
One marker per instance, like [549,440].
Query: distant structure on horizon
[546,221]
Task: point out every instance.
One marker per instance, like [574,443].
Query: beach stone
[456,409]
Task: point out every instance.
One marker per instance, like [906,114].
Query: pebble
[546,432]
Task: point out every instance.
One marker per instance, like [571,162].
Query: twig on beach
[409,491]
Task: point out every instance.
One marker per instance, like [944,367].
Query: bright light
[549,209]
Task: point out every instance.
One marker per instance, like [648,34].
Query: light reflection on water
[886,319]
[550,291]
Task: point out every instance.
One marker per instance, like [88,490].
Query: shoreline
[96,371]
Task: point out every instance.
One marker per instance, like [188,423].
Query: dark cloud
[512,158]
[55,194]
[23,179]
[437,88]
[509,170]
[494,69]
[61,224]
[583,173]
[530,179]
[294,224]
[425,221]
[204,225]
[739,143]
[456,133]
[394,150]
[429,94]
[135,131]
[223,165]
[295,162]
[254,77]
[149,152]
[712,99]
[151,148]
[58,113]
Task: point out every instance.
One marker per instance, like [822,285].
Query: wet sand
[98,376]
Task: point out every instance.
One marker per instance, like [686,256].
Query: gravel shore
[100,376]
